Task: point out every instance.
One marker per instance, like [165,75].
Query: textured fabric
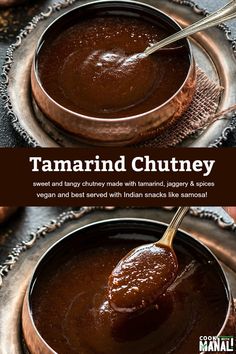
[198,116]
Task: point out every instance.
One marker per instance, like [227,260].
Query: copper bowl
[127,227]
[115,131]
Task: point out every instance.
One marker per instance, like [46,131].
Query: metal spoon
[146,272]
[225,13]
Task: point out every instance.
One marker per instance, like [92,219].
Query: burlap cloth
[198,116]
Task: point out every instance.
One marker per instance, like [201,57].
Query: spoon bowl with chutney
[146,272]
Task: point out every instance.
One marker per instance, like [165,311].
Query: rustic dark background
[13,19]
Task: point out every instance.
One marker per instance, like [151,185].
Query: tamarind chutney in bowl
[89,79]
[66,308]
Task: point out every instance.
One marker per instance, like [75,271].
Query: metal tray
[214,50]
[219,234]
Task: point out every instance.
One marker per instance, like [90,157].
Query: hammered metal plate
[213,51]
[213,233]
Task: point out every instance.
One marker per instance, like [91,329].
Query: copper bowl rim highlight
[35,73]
[8,3]
[132,221]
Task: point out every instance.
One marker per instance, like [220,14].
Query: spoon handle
[170,232]
[225,13]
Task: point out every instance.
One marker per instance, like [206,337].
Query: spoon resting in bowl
[225,13]
[146,272]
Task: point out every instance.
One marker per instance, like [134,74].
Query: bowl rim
[78,115]
[131,220]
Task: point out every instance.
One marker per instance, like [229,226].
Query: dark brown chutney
[141,277]
[92,68]
[72,314]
